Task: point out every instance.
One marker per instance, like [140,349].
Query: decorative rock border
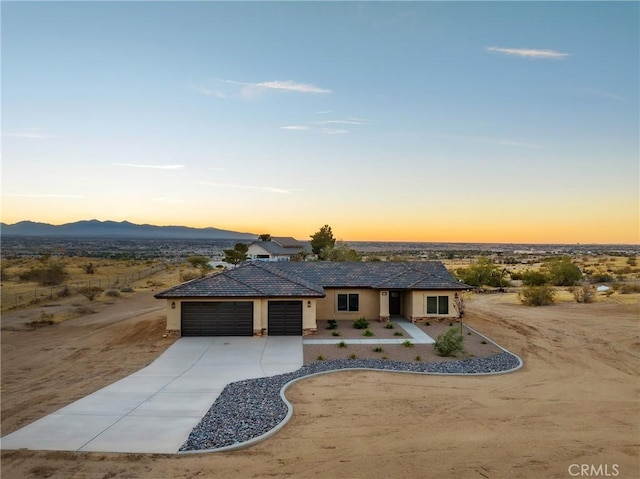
[250,411]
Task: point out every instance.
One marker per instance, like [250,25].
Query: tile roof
[254,279]
[308,279]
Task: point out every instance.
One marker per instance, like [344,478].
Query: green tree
[534,278]
[265,237]
[340,252]
[201,263]
[483,273]
[49,273]
[236,255]
[322,239]
[563,272]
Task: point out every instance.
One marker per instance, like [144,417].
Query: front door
[395,303]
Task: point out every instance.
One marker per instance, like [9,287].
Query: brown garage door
[285,318]
[218,318]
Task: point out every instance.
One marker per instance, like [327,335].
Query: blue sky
[426,121]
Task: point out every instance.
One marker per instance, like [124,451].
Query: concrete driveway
[155,409]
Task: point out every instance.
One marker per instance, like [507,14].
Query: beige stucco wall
[327,307]
[416,304]
[260,312]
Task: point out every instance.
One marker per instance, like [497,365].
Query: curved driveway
[155,409]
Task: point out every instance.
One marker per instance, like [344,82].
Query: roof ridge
[448,278]
[273,269]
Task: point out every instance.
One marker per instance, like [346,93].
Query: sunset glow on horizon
[488,122]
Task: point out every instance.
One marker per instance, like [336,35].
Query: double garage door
[235,318]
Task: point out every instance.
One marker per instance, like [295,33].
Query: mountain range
[114,229]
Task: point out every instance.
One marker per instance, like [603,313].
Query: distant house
[288,297]
[279,248]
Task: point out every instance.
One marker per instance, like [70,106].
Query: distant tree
[49,273]
[563,272]
[200,263]
[534,278]
[265,237]
[483,273]
[236,255]
[322,239]
[340,252]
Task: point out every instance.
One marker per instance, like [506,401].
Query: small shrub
[361,323]
[320,358]
[583,294]
[389,325]
[127,289]
[407,344]
[449,343]
[90,292]
[483,342]
[384,357]
[627,288]
[427,323]
[342,344]
[378,349]
[332,324]
[398,333]
[64,292]
[450,324]
[368,333]
[113,293]
[536,295]
[335,333]
[418,358]
[352,356]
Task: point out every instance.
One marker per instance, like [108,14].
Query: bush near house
[361,323]
[449,343]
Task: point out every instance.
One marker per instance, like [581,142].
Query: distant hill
[113,229]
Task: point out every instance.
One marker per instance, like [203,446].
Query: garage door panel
[217,318]
[285,318]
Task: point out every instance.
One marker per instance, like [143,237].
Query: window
[348,302]
[437,304]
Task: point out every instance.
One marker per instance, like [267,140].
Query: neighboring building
[287,298]
[279,248]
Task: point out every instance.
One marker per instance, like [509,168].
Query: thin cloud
[267,189]
[50,195]
[253,89]
[333,131]
[30,135]
[295,127]
[209,92]
[155,167]
[326,112]
[349,121]
[529,53]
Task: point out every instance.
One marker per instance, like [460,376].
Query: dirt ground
[576,401]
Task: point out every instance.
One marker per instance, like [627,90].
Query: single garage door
[228,318]
[285,318]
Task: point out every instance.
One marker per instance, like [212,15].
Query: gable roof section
[377,275]
[308,279]
[287,242]
[249,280]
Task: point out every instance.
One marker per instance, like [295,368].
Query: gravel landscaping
[248,409]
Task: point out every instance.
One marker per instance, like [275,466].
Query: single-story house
[278,248]
[287,298]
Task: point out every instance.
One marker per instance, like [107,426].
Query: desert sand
[576,401]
